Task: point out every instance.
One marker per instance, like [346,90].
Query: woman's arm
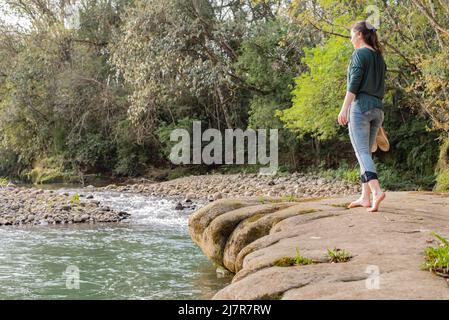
[355,75]
[343,116]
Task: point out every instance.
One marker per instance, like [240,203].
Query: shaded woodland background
[100,95]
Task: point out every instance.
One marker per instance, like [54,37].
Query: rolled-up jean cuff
[368,176]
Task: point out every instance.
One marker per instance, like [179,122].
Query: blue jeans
[363,128]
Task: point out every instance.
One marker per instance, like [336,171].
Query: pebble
[217,196]
[179,206]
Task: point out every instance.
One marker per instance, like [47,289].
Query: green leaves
[104,96]
[3,182]
[302,261]
[75,199]
[319,93]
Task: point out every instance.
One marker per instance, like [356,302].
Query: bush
[3,182]
[93,153]
[8,162]
[442,184]
[131,159]
[318,93]
[442,181]
[343,173]
[46,170]
[165,129]
[394,178]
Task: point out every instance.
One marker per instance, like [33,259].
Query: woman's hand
[343,116]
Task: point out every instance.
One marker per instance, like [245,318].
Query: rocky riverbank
[31,206]
[218,186]
[23,206]
[317,249]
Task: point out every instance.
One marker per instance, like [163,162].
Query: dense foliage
[96,86]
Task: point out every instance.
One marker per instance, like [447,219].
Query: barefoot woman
[363,106]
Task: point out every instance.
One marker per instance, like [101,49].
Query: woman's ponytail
[369,33]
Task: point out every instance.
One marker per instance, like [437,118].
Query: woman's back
[366,77]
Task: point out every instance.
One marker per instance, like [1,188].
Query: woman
[363,105]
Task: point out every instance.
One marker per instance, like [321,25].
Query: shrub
[46,170]
[442,181]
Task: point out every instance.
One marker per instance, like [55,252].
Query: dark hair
[369,33]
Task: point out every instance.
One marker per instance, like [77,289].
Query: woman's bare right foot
[359,203]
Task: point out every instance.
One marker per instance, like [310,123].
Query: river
[149,256]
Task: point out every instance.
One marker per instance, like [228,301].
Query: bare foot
[376,202]
[359,203]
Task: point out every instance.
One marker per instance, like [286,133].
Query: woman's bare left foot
[359,203]
[376,202]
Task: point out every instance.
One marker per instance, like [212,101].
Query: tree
[179,57]
[318,94]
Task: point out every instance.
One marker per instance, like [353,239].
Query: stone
[272,193]
[179,206]
[123,214]
[222,272]
[217,196]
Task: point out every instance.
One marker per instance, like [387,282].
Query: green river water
[150,256]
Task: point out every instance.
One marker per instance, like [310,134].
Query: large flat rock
[247,237]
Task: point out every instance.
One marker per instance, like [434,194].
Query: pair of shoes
[381,142]
[376,203]
[358,204]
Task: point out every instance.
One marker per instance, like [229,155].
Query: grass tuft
[437,258]
[75,199]
[338,255]
[298,260]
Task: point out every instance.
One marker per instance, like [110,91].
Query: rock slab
[248,236]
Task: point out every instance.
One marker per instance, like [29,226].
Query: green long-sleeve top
[366,78]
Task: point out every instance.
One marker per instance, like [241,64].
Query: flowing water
[149,256]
